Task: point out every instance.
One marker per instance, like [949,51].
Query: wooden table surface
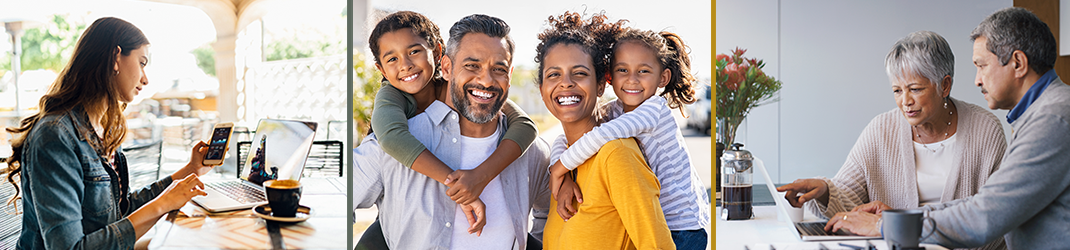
[194,228]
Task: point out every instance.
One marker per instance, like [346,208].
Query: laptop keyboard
[238,191]
[815,229]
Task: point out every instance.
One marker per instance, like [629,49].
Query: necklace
[950,116]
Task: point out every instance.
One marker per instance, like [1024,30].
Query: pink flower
[738,52]
[732,86]
[735,75]
[722,57]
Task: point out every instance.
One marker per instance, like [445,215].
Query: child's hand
[557,175]
[569,189]
[477,216]
[465,186]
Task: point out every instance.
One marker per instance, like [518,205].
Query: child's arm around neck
[392,130]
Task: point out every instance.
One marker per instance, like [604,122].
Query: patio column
[229,18]
[227,101]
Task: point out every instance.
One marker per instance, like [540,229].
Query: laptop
[278,152]
[805,230]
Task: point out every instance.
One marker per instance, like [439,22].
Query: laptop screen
[278,151]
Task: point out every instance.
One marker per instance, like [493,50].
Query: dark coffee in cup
[283,197]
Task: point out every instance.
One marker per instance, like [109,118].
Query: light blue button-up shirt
[414,210]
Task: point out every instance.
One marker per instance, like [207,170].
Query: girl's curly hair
[673,55]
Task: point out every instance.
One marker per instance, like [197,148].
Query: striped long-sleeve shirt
[683,199]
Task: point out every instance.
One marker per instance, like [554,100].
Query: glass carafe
[737,181]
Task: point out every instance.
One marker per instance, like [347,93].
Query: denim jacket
[71,197]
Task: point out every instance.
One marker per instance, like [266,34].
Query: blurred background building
[210,61]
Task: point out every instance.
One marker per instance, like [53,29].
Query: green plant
[366,82]
[48,46]
[741,86]
[205,56]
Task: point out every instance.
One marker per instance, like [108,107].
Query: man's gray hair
[921,53]
[1014,28]
[478,23]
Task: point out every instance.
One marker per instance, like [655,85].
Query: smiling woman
[620,193]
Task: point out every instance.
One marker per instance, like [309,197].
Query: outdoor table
[194,228]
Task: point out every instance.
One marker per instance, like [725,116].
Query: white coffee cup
[795,214]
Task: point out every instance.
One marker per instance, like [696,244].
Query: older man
[1026,201]
[414,210]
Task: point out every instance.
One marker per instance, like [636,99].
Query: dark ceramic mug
[283,196]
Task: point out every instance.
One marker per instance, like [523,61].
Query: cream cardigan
[881,167]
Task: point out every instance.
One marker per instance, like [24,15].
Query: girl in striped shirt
[642,62]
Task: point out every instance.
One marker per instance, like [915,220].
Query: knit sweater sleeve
[989,146]
[846,191]
[984,148]
[850,187]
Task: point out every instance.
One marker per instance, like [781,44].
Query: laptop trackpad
[215,199]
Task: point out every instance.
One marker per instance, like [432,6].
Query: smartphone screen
[218,145]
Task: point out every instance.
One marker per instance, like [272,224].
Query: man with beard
[414,210]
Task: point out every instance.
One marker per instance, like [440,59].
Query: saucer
[264,211]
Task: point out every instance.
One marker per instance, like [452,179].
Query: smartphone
[217,147]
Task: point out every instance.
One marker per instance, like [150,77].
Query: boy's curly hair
[420,25]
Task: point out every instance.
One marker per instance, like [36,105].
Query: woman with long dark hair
[67,165]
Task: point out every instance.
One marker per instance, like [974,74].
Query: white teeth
[568,100]
[482,94]
[410,78]
[632,91]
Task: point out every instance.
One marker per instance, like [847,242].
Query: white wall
[830,56]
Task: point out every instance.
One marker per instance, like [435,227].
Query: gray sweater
[1026,201]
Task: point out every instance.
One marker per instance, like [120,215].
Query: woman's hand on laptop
[173,198]
[194,166]
[179,192]
[858,222]
[875,207]
[803,190]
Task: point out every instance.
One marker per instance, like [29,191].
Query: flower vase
[727,128]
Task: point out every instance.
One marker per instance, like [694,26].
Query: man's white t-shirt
[498,232]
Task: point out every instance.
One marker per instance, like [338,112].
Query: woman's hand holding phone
[218,144]
[195,165]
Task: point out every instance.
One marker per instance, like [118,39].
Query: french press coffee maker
[737,181]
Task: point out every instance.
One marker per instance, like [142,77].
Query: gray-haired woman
[931,149]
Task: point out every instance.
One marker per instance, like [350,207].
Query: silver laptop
[278,152]
[805,230]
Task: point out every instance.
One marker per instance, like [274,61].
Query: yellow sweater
[620,208]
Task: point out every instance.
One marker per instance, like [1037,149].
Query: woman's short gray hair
[921,53]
